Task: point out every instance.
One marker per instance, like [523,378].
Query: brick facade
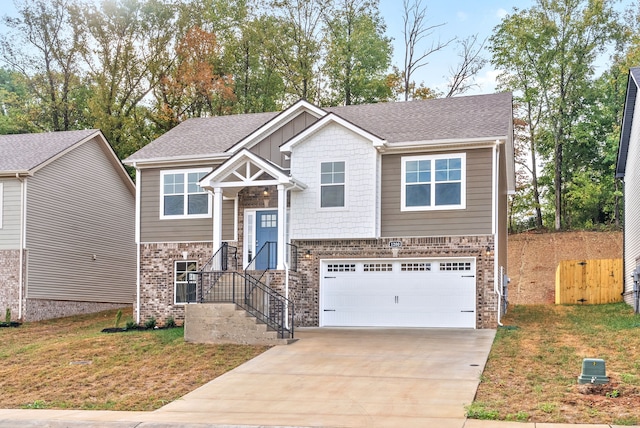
[157,289]
[305,284]
[10,283]
[41,309]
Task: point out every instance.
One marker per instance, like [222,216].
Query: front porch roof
[246,169]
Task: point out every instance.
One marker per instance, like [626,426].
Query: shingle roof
[24,152]
[438,119]
[627,121]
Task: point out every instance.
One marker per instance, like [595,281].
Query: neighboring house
[390,214]
[67,209]
[628,169]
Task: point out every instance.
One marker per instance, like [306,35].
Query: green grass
[536,359]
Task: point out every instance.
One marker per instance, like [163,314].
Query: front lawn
[69,364]
[535,361]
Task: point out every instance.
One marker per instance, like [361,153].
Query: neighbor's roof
[627,120]
[466,117]
[22,153]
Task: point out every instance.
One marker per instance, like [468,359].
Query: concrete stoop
[226,323]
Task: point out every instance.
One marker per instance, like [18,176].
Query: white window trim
[175,283]
[346,179]
[433,207]
[183,216]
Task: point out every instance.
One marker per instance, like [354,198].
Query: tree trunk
[558,184]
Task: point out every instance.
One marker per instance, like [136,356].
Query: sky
[461,18]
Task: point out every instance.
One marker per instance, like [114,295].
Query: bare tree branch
[462,77]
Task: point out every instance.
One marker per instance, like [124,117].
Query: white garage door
[398,293]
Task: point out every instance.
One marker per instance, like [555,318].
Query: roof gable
[627,120]
[25,153]
[330,118]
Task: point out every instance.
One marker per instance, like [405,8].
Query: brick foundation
[10,283]
[41,309]
[305,284]
[157,287]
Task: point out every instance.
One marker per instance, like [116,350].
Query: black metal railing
[225,258]
[250,294]
[265,259]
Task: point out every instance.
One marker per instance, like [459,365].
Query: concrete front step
[226,323]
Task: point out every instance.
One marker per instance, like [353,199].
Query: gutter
[23,229]
[137,239]
[496,244]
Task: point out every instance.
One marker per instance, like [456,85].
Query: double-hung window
[181,196]
[433,182]
[332,182]
[185,282]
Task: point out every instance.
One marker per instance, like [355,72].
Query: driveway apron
[348,378]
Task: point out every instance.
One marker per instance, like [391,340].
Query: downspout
[23,229]
[496,243]
[137,238]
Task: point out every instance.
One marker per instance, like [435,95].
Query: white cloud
[501,13]
[488,81]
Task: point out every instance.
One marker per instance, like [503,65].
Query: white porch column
[217,218]
[282,212]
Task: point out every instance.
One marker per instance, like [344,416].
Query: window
[185,282]
[181,196]
[332,184]
[433,182]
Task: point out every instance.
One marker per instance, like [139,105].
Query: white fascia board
[332,118]
[443,144]
[285,116]
[176,161]
[16,173]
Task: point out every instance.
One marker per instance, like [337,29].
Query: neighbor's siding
[474,220]
[632,205]
[10,223]
[503,217]
[358,219]
[269,147]
[153,229]
[79,206]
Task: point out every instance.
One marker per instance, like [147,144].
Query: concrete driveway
[329,378]
[347,378]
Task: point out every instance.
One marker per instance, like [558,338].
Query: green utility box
[593,371]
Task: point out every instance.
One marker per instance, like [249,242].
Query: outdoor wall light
[265,196]
[488,250]
[307,255]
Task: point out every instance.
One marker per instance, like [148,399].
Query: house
[67,209]
[627,169]
[390,214]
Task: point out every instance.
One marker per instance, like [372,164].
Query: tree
[298,47]
[131,51]
[15,99]
[415,31]
[557,43]
[197,86]
[358,54]
[45,47]
[471,62]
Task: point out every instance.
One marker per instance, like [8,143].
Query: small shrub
[118,317]
[171,323]
[130,325]
[150,323]
[7,316]
[480,411]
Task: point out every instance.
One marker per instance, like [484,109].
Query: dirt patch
[534,257]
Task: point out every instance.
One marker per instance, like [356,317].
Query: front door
[266,233]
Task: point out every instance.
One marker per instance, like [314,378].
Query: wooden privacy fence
[589,282]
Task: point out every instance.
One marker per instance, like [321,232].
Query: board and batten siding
[474,220]
[10,217]
[632,205]
[155,230]
[269,147]
[80,232]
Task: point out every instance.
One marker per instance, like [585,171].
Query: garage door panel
[405,298]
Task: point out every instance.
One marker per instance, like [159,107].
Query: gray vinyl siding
[79,206]
[269,148]
[10,219]
[154,229]
[632,205]
[503,217]
[474,220]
